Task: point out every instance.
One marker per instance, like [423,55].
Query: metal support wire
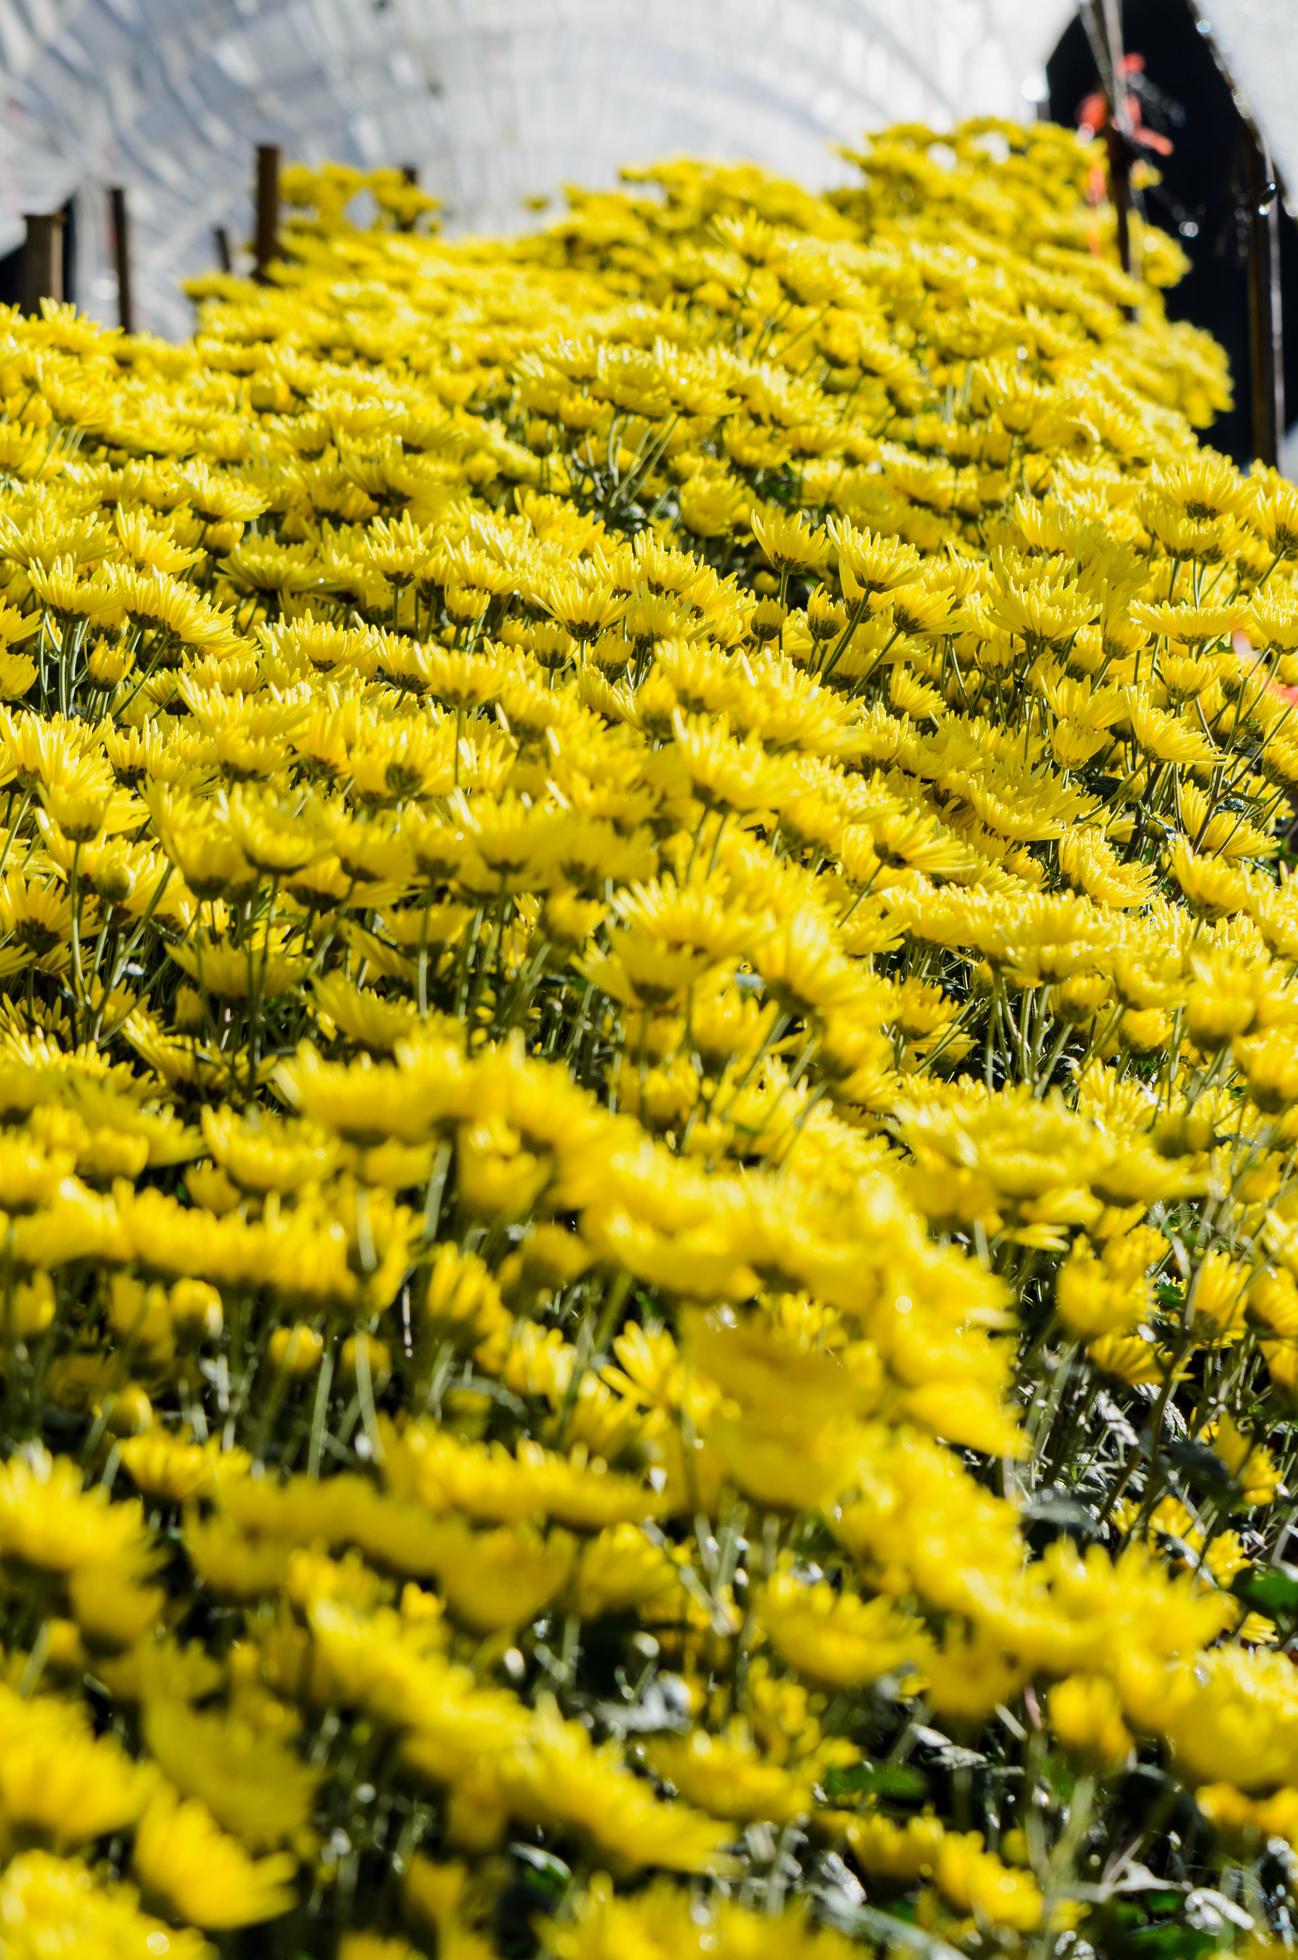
[1265,338]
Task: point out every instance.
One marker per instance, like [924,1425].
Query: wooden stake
[42,259]
[268,158]
[121,222]
[224,249]
[409,175]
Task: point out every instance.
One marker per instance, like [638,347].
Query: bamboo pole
[1103,22]
[1119,160]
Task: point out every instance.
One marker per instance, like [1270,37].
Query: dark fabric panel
[1187,98]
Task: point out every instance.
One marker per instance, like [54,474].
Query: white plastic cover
[496,99]
[1257,44]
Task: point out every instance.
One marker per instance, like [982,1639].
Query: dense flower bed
[648,1054]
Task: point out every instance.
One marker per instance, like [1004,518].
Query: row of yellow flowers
[648,1077]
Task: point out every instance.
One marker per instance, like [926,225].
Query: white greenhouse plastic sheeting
[498,99]
[1257,44]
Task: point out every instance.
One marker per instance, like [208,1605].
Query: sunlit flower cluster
[649,1092]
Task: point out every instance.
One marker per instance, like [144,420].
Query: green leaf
[1171,1941]
[876,1780]
[1050,1507]
[893,1933]
[548,1873]
[1270,1589]
[1199,1465]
